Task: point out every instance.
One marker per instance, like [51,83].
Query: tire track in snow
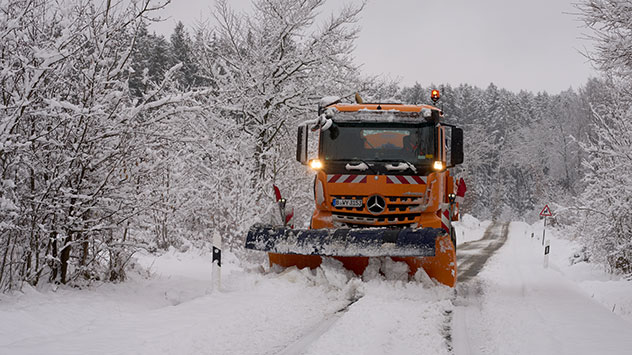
[471,258]
[391,318]
[300,345]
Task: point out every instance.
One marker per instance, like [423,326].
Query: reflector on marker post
[216,274]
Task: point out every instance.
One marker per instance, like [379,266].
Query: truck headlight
[315,164]
[438,165]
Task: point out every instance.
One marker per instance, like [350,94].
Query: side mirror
[301,144]
[435,115]
[456,150]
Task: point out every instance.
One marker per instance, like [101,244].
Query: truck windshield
[413,143]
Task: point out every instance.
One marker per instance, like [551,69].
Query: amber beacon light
[435,95]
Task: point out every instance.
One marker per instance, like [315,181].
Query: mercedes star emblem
[375,204]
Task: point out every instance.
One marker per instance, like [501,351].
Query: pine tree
[181,47]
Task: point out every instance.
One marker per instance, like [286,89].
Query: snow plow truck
[383,188]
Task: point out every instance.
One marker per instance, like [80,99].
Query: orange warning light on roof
[435,95]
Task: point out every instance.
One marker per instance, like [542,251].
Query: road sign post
[546,254]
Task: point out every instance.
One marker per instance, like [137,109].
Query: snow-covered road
[472,255]
[511,305]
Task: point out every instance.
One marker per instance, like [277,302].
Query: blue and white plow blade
[369,242]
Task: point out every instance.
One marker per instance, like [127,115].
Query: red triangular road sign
[546,212]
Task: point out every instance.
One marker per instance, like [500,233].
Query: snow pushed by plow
[391,318]
[385,313]
[327,310]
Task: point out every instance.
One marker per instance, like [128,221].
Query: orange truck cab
[382,167]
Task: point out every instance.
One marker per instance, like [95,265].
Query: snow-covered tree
[607,198]
[182,49]
[73,140]
[268,71]
[521,149]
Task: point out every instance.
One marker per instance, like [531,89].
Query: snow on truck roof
[375,112]
[344,107]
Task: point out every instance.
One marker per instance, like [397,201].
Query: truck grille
[397,213]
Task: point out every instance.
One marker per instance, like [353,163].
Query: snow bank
[469,228]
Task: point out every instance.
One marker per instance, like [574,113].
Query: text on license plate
[339,202]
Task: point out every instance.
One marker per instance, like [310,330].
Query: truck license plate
[339,202]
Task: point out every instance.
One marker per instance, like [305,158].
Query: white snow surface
[514,306]
[176,312]
[469,228]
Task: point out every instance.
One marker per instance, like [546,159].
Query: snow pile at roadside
[469,228]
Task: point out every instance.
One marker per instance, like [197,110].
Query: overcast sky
[516,44]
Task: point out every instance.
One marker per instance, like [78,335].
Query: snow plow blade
[427,248]
[371,242]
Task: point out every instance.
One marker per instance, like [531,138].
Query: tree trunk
[64,256]
[54,265]
[4,258]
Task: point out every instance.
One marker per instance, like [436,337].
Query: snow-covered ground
[517,306]
[514,305]
[176,312]
[469,228]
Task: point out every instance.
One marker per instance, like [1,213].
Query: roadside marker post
[216,271]
[547,248]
